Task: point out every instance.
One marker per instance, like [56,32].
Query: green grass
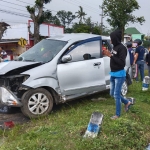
[63,129]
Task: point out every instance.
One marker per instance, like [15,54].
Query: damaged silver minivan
[56,70]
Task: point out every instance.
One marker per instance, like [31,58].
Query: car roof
[76,36]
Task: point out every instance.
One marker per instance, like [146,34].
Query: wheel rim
[38,103]
[124,89]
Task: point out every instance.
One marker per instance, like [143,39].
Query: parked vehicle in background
[56,70]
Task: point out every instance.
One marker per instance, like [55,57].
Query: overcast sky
[11,9]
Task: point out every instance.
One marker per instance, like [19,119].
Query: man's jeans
[115,91]
[140,66]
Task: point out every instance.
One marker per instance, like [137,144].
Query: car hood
[20,66]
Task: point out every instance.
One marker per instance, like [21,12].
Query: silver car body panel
[80,77]
[5,67]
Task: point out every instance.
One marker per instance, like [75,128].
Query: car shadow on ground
[14,114]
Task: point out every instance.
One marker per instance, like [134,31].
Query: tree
[38,16]
[3,28]
[51,19]
[119,13]
[81,14]
[66,17]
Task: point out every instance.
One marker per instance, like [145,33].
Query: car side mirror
[66,58]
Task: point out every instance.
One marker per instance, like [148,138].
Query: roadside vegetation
[64,128]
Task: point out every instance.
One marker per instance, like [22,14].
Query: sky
[14,11]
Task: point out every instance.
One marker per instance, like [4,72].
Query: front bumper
[8,98]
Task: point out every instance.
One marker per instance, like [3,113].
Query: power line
[84,7]
[14,13]
[25,2]
[13,8]
[12,3]
[14,21]
[33,5]
[90,7]
[21,5]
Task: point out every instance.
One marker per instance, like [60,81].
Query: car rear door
[85,72]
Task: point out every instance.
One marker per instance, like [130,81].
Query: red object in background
[104,48]
[9,124]
[11,57]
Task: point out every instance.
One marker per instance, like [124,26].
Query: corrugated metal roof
[9,40]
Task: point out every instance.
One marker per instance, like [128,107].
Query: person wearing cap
[139,58]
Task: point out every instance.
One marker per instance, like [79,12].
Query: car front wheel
[37,103]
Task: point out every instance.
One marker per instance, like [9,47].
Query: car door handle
[97,64]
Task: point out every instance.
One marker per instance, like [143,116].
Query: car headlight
[8,98]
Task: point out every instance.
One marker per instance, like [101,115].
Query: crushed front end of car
[11,89]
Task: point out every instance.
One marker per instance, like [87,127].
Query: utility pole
[102,14]
[148,35]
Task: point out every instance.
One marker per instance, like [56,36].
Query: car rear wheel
[124,88]
[37,103]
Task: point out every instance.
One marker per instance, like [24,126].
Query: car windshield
[44,51]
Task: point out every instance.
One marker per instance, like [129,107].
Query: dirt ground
[15,115]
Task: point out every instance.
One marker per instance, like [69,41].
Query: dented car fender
[43,82]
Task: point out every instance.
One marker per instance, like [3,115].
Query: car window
[44,51]
[86,51]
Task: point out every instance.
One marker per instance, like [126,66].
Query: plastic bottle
[145,84]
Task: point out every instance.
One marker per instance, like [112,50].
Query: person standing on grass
[131,55]
[148,61]
[139,58]
[117,74]
[131,52]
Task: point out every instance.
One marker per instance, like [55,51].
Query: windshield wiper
[29,60]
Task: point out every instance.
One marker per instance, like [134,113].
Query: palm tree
[80,14]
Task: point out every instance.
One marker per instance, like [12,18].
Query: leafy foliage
[81,14]
[119,12]
[146,44]
[66,17]
[39,17]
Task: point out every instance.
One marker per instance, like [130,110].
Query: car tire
[36,103]
[124,88]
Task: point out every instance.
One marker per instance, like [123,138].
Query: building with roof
[133,33]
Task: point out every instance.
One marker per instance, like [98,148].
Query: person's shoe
[114,117]
[127,106]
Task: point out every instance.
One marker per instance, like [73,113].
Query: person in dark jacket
[117,74]
[148,61]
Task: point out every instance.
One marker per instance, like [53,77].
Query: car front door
[84,73]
